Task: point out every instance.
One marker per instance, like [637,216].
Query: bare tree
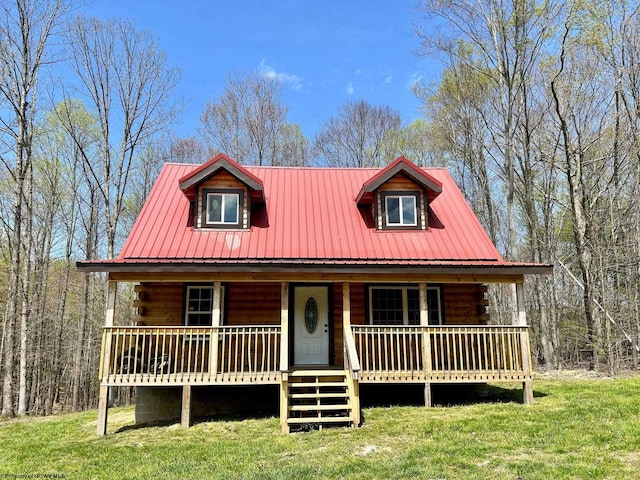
[460,134]
[248,122]
[357,136]
[292,146]
[26,27]
[495,49]
[128,86]
[506,39]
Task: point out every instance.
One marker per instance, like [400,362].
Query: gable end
[190,182]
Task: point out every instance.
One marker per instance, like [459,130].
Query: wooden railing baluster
[443,353]
[178,355]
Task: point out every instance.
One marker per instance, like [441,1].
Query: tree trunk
[26,291]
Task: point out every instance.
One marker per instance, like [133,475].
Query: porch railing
[442,353]
[190,355]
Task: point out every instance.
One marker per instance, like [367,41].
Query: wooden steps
[319,398]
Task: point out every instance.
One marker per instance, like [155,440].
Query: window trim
[185,311]
[415,195]
[206,192]
[405,303]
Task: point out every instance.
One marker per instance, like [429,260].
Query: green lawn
[582,429]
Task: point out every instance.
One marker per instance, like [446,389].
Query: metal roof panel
[309,213]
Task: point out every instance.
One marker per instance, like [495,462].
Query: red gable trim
[189,182]
[401,165]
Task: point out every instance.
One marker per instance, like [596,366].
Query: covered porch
[188,356]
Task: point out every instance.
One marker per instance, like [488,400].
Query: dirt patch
[370,449]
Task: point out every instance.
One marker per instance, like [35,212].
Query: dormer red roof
[401,165]
[189,182]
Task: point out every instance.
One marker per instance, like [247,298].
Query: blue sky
[326,52]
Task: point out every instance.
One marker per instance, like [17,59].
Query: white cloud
[294,81]
[415,78]
[350,88]
[388,80]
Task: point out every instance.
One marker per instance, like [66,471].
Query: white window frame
[401,199]
[405,301]
[224,197]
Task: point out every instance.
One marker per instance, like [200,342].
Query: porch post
[284,356]
[522,314]
[185,414]
[426,342]
[215,323]
[103,398]
[346,330]
[346,311]
[521,320]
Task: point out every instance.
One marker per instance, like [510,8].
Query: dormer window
[222,194]
[398,197]
[400,210]
[223,208]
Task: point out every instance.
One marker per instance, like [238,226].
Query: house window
[222,208]
[391,305]
[199,305]
[400,210]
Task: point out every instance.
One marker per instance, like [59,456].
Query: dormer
[222,193]
[399,195]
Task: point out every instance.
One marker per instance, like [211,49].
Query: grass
[577,429]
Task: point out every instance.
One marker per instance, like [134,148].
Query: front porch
[236,354]
[252,355]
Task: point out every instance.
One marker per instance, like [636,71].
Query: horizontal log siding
[245,304]
[253,304]
[161,304]
[358,304]
[357,316]
[257,303]
[464,304]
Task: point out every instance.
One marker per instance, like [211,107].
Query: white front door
[311,326]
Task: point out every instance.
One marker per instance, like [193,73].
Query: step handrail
[352,362]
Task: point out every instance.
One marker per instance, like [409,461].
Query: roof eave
[327,267]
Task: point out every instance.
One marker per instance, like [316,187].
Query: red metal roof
[310,218]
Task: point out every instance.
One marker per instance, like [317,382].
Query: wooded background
[536,114]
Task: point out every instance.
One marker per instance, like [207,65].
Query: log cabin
[313,280]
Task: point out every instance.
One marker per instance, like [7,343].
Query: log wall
[252,304]
[162,304]
[247,303]
[159,304]
[465,304]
